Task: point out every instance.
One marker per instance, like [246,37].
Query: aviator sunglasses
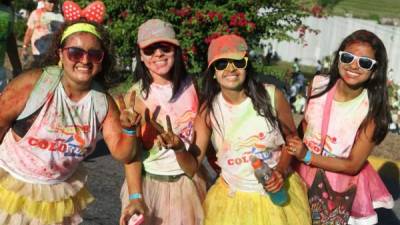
[164,47]
[363,62]
[222,64]
[76,54]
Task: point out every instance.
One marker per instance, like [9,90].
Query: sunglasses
[165,48]
[363,62]
[222,64]
[76,54]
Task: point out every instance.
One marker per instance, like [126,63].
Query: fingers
[121,102]
[169,126]
[157,126]
[275,183]
[132,100]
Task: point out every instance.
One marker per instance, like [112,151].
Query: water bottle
[263,172]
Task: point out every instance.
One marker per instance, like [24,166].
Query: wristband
[129,132]
[135,196]
[307,157]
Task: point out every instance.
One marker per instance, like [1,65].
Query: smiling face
[231,78]
[159,60]
[83,70]
[351,73]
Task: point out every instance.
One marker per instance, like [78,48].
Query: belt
[164,178]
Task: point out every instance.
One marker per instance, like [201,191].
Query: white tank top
[63,134]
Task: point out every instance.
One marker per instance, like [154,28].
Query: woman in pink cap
[167,101]
[245,119]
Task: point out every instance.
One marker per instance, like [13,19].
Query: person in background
[53,120]
[167,101]
[243,118]
[356,120]
[36,29]
[8,43]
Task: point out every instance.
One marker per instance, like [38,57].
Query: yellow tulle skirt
[43,204]
[249,208]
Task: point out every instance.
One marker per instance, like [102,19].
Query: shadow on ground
[101,150]
[389,173]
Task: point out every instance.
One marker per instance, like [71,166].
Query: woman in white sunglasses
[346,116]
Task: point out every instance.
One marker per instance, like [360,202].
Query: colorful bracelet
[135,196]
[129,132]
[307,157]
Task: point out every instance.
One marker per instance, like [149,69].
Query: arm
[121,145]
[133,175]
[287,126]
[12,51]
[200,144]
[360,151]
[14,98]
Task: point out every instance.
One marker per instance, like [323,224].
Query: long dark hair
[178,75]
[105,76]
[376,85]
[252,88]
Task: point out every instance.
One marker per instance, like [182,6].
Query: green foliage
[19,28]
[197,22]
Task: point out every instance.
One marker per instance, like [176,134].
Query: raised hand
[167,139]
[129,117]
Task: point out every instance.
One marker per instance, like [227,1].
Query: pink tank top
[63,134]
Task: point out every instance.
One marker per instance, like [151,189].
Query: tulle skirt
[171,203]
[43,204]
[221,207]
[371,191]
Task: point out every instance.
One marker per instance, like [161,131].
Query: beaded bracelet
[129,132]
[135,196]
[307,157]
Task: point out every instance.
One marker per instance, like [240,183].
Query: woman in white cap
[245,120]
[166,99]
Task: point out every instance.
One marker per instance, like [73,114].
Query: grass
[368,9]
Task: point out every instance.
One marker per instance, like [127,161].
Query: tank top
[63,134]
[182,111]
[239,132]
[345,119]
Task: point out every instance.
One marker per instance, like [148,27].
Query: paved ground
[105,178]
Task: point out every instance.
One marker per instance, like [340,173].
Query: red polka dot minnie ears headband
[93,12]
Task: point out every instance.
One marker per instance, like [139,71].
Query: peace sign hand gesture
[129,117]
[168,139]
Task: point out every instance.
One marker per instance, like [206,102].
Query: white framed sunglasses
[363,62]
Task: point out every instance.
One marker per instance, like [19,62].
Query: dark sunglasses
[363,62]
[164,47]
[222,64]
[76,54]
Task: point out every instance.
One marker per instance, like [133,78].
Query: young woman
[242,118]
[359,120]
[51,124]
[167,101]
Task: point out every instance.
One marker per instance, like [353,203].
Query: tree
[198,22]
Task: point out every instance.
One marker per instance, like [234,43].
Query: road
[106,176]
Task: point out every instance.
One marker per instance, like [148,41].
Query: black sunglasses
[363,62]
[222,64]
[76,54]
[164,47]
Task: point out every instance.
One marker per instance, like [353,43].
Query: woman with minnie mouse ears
[52,121]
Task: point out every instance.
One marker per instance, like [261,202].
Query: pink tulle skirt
[371,191]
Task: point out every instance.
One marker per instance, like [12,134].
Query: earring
[60,64]
[214,77]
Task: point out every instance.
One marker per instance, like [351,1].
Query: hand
[129,117]
[167,139]
[25,52]
[135,206]
[275,182]
[294,146]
